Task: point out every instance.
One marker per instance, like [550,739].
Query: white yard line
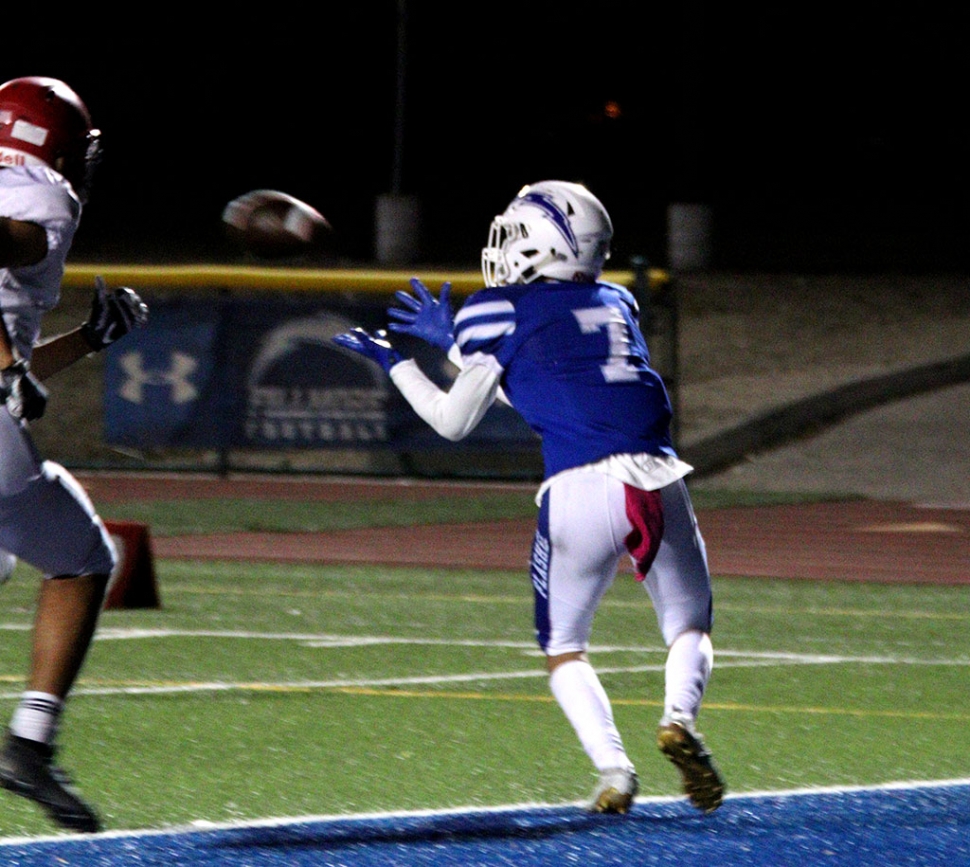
[330,640]
[726,659]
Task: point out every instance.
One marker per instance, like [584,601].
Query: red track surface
[854,541]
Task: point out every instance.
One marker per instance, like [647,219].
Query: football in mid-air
[271,224]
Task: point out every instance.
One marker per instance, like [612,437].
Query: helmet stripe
[556,216]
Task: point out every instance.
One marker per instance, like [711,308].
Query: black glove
[114,312]
[22,392]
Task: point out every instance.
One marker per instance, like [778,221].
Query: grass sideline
[219,515]
[263,691]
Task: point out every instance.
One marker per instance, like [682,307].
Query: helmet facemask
[514,254]
[83,179]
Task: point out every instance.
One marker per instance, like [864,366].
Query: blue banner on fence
[263,372]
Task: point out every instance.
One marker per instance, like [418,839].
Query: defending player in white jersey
[47,151]
[565,350]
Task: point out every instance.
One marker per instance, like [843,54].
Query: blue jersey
[575,366]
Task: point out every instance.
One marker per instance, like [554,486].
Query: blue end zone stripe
[899,825]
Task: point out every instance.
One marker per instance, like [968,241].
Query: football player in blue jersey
[564,348]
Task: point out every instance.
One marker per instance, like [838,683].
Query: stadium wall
[84,432]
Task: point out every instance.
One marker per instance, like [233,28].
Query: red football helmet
[43,121]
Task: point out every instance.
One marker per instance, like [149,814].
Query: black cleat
[26,769]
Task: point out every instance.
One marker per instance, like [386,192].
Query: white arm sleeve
[454,413]
[454,356]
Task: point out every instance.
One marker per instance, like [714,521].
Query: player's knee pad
[693,616]
[52,525]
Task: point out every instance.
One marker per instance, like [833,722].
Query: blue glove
[425,317]
[375,346]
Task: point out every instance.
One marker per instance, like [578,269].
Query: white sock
[689,663]
[36,717]
[584,701]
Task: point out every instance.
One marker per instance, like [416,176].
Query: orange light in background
[612,109]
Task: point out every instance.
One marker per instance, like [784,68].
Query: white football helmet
[553,229]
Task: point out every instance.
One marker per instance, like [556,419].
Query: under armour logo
[176,377]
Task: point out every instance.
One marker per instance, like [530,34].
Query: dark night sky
[821,136]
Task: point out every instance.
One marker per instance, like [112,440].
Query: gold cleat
[703,784]
[615,791]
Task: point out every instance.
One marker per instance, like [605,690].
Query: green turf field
[263,691]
